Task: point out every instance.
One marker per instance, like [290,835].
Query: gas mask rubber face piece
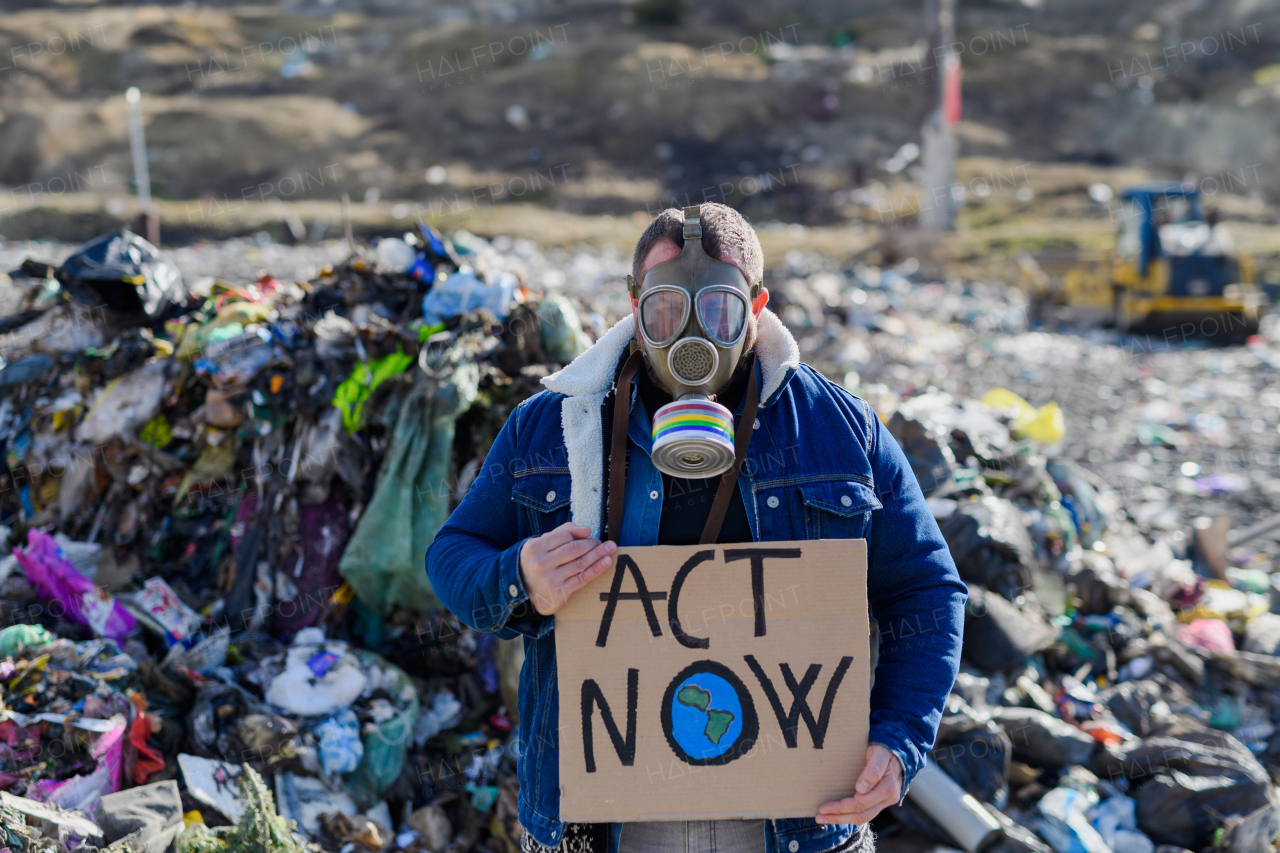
[692,311]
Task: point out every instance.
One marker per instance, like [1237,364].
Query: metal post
[148,222]
[938,148]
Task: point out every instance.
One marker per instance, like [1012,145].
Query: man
[578,463]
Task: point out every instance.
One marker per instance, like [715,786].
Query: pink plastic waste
[83,793]
[1212,635]
[56,580]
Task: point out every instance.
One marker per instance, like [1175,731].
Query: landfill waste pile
[216,633]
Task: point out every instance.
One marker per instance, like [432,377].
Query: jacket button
[514,590]
[755,424]
[551,496]
[653,496]
[845,500]
[772,502]
[793,846]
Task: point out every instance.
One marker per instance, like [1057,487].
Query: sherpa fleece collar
[589,378]
[593,372]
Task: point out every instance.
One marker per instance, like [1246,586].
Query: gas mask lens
[722,312]
[663,313]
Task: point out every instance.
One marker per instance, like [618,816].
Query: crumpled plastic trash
[1045,424]
[55,579]
[1062,820]
[125,404]
[989,541]
[16,639]
[302,690]
[351,395]
[1042,740]
[143,819]
[562,334]
[997,634]
[445,712]
[464,291]
[1211,635]
[1115,820]
[124,273]
[340,746]
[84,792]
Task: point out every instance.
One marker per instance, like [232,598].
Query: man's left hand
[880,785]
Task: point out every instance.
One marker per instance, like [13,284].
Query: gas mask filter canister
[692,312]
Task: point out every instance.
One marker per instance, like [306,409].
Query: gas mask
[692,312]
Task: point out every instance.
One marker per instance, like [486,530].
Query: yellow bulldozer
[1173,272]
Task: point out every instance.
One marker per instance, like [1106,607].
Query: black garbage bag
[1188,777]
[997,635]
[928,453]
[213,726]
[1143,707]
[1042,740]
[990,545]
[124,273]
[974,751]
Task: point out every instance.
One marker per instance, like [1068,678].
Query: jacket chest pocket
[838,509]
[543,498]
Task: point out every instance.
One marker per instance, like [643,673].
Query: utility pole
[942,97]
[148,225]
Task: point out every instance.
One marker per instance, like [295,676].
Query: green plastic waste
[16,639]
[387,747]
[356,389]
[562,335]
[157,432]
[384,560]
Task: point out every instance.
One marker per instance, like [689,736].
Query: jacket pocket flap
[543,491]
[842,497]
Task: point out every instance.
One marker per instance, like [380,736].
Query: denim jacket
[820,466]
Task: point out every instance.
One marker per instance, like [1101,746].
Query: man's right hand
[558,563]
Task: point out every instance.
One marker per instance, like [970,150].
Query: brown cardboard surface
[812,609]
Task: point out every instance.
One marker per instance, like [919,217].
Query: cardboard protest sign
[709,682]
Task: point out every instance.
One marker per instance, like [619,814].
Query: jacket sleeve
[918,599]
[474,562]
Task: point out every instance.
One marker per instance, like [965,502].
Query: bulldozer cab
[1173,265]
[1164,223]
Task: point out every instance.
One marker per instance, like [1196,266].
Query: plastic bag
[997,635]
[55,579]
[1042,740]
[1141,706]
[928,453]
[974,752]
[302,690]
[1187,778]
[1063,822]
[990,544]
[385,557]
[562,335]
[386,746]
[122,272]
[1045,424]
[83,793]
[354,391]
[125,404]
[1262,634]
[340,746]
[464,291]
[16,639]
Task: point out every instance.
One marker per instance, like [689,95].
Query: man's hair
[726,235]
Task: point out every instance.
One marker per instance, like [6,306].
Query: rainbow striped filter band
[693,438]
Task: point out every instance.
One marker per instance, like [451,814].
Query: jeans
[694,836]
